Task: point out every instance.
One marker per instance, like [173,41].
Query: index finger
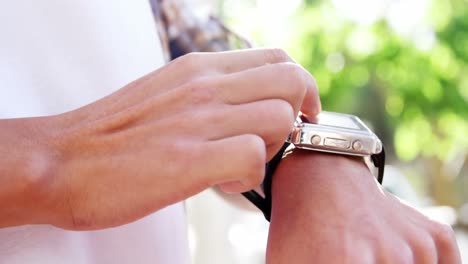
[241,60]
[229,62]
[311,105]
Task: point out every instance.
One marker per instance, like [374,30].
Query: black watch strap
[264,204]
[379,163]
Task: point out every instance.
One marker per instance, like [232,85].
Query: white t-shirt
[58,55]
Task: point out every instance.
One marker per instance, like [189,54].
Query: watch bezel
[335,139]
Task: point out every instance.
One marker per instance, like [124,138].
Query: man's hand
[330,209]
[202,120]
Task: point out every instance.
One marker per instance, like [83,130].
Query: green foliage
[414,97]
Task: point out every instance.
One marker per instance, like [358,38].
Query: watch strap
[379,162]
[264,204]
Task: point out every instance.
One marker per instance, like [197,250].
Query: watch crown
[315,139]
[357,145]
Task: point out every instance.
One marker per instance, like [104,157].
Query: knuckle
[255,159]
[297,77]
[188,62]
[200,91]
[192,65]
[253,178]
[286,110]
[276,55]
[255,147]
[403,254]
[444,235]
[311,82]
[425,247]
[284,115]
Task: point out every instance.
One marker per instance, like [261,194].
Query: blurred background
[399,65]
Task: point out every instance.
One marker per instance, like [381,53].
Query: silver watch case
[357,141]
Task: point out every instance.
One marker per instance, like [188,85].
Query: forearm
[24,162]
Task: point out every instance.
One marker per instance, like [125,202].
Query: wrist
[313,167]
[309,189]
[308,179]
[26,171]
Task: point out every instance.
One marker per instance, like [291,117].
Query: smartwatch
[330,132]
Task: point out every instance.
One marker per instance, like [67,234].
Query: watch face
[338,120]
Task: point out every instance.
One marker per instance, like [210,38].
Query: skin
[164,137]
[330,209]
[157,141]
